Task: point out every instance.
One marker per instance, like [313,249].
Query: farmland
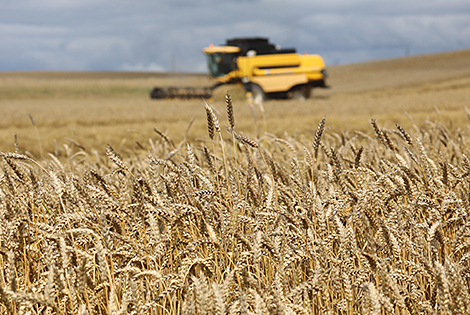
[95,109]
[353,202]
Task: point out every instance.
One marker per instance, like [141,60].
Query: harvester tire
[300,93]
[256,92]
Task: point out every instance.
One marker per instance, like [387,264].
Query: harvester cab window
[221,63]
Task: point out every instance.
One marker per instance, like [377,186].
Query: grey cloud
[149,35]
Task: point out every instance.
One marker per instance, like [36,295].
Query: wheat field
[334,224]
[96,109]
[241,220]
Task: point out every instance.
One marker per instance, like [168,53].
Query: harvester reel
[181,93]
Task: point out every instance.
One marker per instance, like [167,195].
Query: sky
[165,35]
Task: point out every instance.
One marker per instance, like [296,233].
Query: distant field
[94,109]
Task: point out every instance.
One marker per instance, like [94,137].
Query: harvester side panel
[246,65]
[279,83]
[280,72]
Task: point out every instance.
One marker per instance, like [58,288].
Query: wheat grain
[405,134]
[229,105]
[113,156]
[318,134]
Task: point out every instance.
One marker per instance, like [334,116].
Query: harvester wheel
[256,92]
[299,93]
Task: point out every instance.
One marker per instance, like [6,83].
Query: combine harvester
[264,70]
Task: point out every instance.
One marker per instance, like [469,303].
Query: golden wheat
[373,226]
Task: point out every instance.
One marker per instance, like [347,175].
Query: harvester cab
[221,60]
[264,70]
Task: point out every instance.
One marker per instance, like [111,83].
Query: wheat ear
[318,134]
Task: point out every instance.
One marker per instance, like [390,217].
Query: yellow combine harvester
[264,70]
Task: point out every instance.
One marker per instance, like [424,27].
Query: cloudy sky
[163,35]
